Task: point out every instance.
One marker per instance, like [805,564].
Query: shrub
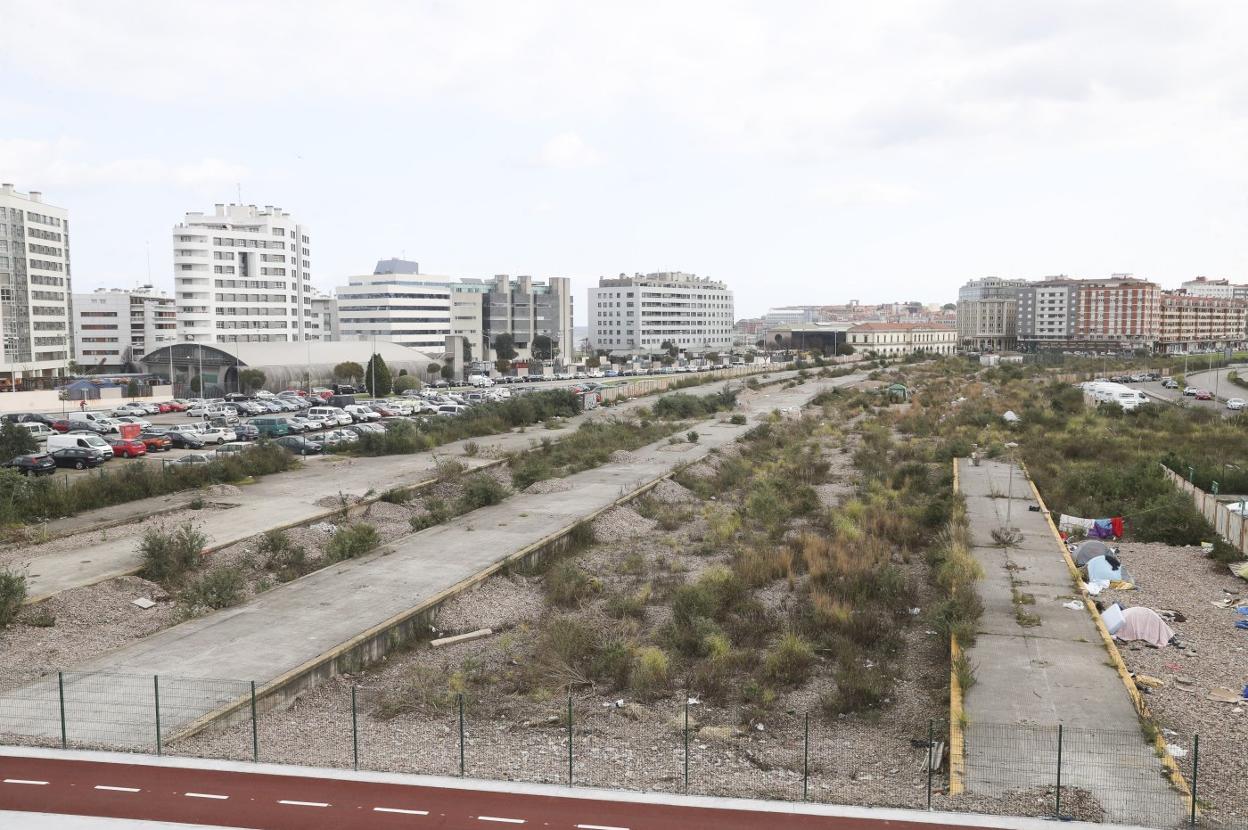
[168,556]
[218,588]
[12,594]
[790,661]
[564,652]
[621,605]
[481,490]
[692,435]
[857,689]
[352,541]
[436,512]
[737,419]
[650,676]
[286,559]
[614,663]
[471,448]
[568,586]
[397,495]
[450,470]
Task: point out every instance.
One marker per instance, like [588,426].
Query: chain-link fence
[682,747]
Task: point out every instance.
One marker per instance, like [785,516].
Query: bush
[790,661]
[568,586]
[857,689]
[623,604]
[218,588]
[168,556]
[481,490]
[12,594]
[693,436]
[287,560]
[737,419]
[436,512]
[650,676]
[352,541]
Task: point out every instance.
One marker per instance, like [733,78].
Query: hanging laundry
[1101,529]
[1116,525]
[1070,524]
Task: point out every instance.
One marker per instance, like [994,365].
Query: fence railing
[689,747]
[1230,526]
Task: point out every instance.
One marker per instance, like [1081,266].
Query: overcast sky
[802,152]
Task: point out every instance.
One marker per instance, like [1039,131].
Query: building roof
[861,327]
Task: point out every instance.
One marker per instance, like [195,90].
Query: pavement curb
[1141,707]
[957,745]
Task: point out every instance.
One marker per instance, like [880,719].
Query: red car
[382,410]
[128,447]
[1204,395]
[176,406]
[164,407]
[155,443]
[60,425]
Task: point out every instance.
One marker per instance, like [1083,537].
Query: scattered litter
[759,727]
[144,603]
[614,704]
[914,612]
[1073,605]
[1185,680]
[1149,681]
[1220,694]
[693,701]
[323,527]
[1176,750]
[1011,445]
[1010,417]
[461,638]
[1094,588]
[1242,625]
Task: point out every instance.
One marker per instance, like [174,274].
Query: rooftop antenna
[148,245]
[239,185]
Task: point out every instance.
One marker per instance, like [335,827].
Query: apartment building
[1121,312]
[243,274]
[987,315]
[637,314]
[115,327]
[324,317]
[398,303]
[36,345]
[1194,323]
[899,339]
[1046,313]
[1222,289]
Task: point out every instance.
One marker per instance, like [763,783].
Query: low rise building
[1222,289]
[899,339]
[114,328]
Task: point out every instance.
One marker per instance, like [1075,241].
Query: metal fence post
[461,735]
[355,733]
[156,699]
[1195,772]
[931,748]
[1058,810]
[60,686]
[569,736]
[806,760]
[686,744]
[255,733]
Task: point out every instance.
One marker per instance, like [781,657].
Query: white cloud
[64,163]
[568,151]
[867,193]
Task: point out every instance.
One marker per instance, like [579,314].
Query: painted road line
[206,795]
[25,781]
[503,820]
[305,803]
[599,827]
[400,811]
[118,789]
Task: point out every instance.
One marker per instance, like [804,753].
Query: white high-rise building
[413,310]
[36,345]
[243,274]
[113,327]
[637,314]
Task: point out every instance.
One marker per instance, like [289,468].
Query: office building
[242,274]
[987,315]
[413,310]
[323,324]
[114,328]
[638,314]
[36,345]
[522,307]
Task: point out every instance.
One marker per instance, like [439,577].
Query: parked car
[273,426]
[1169,384]
[246,432]
[79,458]
[130,419]
[126,447]
[191,458]
[1235,403]
[155,443]
[233,448]
[1189,391]
[60,425]
[1204,395]
[215,435]
[38,431]
[35,464]
[300,445]
[128,409]
[179,439]
[81,438]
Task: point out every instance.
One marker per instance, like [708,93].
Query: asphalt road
[1203,380]
[234,798]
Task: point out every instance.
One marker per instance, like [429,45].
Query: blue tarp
[1099,570]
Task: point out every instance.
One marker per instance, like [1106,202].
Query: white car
[191,458]
[1190,390]
[216,435]
[1235,403]
[129,409]
[130,419]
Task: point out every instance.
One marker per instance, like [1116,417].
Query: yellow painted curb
[1141,707]
[957,746]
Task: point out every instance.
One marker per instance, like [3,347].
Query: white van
[92,421]
[331,415]
[479,381]
[38,431]
[361,413]
[92,442]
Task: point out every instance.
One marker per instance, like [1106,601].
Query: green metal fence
[681,747]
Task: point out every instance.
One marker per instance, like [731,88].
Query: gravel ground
[622,522]
[1182,579]
[549,485]
[669,492]
[87,622]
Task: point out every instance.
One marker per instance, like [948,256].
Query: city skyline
[562,141]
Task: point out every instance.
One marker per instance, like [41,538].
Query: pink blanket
[1144,624]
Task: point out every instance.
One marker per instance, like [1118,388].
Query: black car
[32,465]
[299,445]
[246,432]
[183,441]
[80,458]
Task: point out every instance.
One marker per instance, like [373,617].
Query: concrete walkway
[295,624]
[282,500]
[1040,664]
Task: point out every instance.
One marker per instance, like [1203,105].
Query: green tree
[433,369]
[503,366]
[505,346]
[669,347]
[197,385]
[844,349]
[132,388]
[348,370]
[15,441]
[405,382]
[712,358]
[377,378]
[543,347]
[593,362]
[447,371]
[949,307]
[251,380]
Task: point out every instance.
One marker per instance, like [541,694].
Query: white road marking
[504,820]
[399,810]
[25,781]
[305,803]
[118,789]
[599,827]
[205,795]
